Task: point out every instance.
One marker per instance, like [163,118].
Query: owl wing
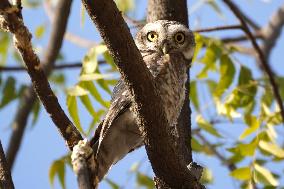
[120,102]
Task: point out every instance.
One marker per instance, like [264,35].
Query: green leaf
[88,85]
[88,104]
[263,175]
[57,78]
[8,92]
[198,46]
[211,85]
[202,123]
[144,180]
[4,47]
[31,3]
[57,169]
[243,173]
[207,177]
[227,73]
[95,76]
[253,124]
[77,91]
[104,85]
[90,62]
[73,111]
[244,93]
[112,184]
[125,5]
[273,149]
[193,94]
[108,58]
[245,149]
[39,32]
[196,146]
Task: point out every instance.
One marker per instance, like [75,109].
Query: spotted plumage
[167,49]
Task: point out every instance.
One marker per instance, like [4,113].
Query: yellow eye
[152,36]
[179,37]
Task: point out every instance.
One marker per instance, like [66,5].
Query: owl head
[164,37]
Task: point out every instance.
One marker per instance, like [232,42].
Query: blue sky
[42,144]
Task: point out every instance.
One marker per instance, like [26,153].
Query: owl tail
[121,137]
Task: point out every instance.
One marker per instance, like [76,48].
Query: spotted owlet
[167,49]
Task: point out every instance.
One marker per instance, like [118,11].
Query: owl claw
[83,154]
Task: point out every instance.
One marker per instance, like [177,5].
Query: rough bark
[6,181]
[176,11]
[22,41]
[166,160]
[27,100]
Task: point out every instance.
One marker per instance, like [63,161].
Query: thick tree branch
[29,97]
[272,31]
[6,181]
[177,11]
[22,38]
[150,112]
[260,55]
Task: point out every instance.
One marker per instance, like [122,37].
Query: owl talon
[82,152]
[196,170]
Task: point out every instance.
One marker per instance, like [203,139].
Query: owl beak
[165,48]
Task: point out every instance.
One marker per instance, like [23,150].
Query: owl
[167,49]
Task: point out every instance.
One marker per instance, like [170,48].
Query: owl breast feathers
[167,49]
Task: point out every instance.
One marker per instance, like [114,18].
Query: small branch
[241,38]
[60,66]
[218,28]
[57,67]
[260,54]
[230,165]
[6,181]
[254,25]
[272,31]
[22,39]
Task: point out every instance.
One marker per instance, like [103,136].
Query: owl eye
[152,36]
[179,37]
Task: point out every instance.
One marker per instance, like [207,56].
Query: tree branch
[230,165]
[177,11]
[6,181]
[159,145]
[9,21]
[272,31]
[260,55]
[218,28]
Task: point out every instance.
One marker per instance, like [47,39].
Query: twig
[57,67]
[230,165]
[260,54]
[252,23]
[218,28]
[6,181]
[241,38]
[22,39]
[60,66]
